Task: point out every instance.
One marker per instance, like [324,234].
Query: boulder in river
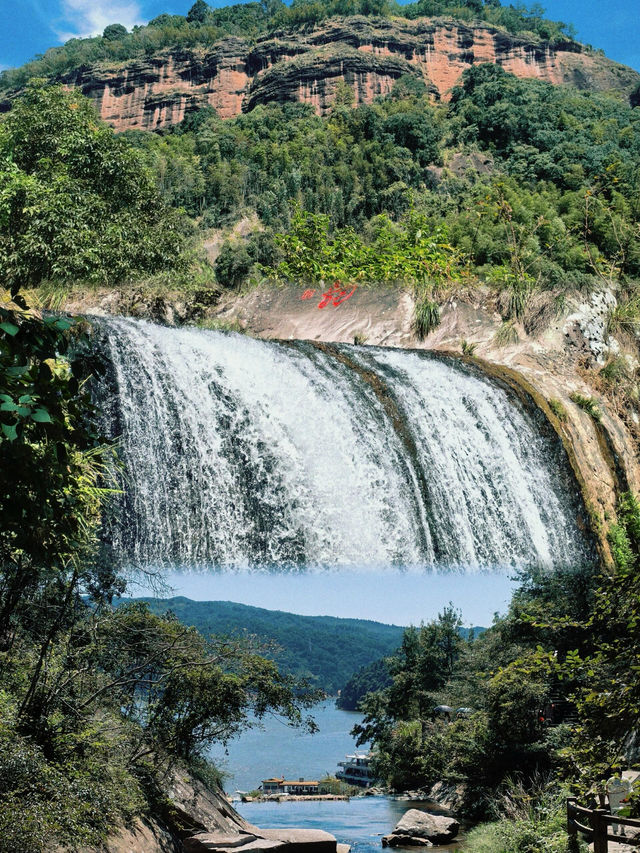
[421,829]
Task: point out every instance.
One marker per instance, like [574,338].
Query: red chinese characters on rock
[308,294]
[336,294]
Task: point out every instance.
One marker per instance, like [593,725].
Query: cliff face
[305,65]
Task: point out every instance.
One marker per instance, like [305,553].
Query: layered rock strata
[305,65]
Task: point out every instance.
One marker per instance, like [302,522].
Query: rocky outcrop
[305,64]
[313,77]
[421,829]
[448,796]
[196,819]
[265,840]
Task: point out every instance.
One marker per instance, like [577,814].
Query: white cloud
[90,17]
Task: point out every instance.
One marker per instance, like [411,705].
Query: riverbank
[294,798]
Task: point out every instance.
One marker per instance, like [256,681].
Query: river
[276,749]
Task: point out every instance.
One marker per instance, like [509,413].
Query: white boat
[356,770]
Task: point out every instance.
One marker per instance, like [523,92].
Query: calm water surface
[278,750]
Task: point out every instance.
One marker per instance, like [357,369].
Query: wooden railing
[595,824]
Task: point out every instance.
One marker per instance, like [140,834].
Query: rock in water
[422,829]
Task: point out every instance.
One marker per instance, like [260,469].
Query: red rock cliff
[305,65]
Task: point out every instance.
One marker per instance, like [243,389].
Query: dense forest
[528,190]
[376,676]
[323,649]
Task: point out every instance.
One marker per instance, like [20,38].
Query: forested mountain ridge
[238,57]
[325,648]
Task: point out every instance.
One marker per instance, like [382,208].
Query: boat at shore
[356,770]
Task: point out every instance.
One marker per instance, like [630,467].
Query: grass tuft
[426,316]
[507,334]
[558,409]
[587,404]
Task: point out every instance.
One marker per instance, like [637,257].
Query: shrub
[558,409]
[615,370]
[507,334]
[530,823]
[587,404]
[625,317]
[233,264]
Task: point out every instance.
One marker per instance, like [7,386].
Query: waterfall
[245,453]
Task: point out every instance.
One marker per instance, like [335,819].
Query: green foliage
[426,316]
[625,317]
[506,335]
[587,404]
[558,409]
[239,257]
[406,252]
[505,676]
[333,785]
[604,667]
[113,32]
[77,799]
[468,348]
[198,12]
[399,719]
[528,824]
[326,649]
[616,370]
[233,264]
[76,202]
[368,679]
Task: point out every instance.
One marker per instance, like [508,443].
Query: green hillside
[375,676]
[327,648]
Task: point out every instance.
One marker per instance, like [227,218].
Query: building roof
[296,782]
[280,780]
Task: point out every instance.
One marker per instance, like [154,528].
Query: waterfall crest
[244,453]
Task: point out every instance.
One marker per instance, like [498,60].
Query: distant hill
[375,676]
[325,647]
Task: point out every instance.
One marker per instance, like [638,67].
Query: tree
[76,202]
[114,32]
[198,12]
[399,719]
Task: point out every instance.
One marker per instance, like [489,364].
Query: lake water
[279,750]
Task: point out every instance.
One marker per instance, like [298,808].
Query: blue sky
[399,598]
[31,26]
